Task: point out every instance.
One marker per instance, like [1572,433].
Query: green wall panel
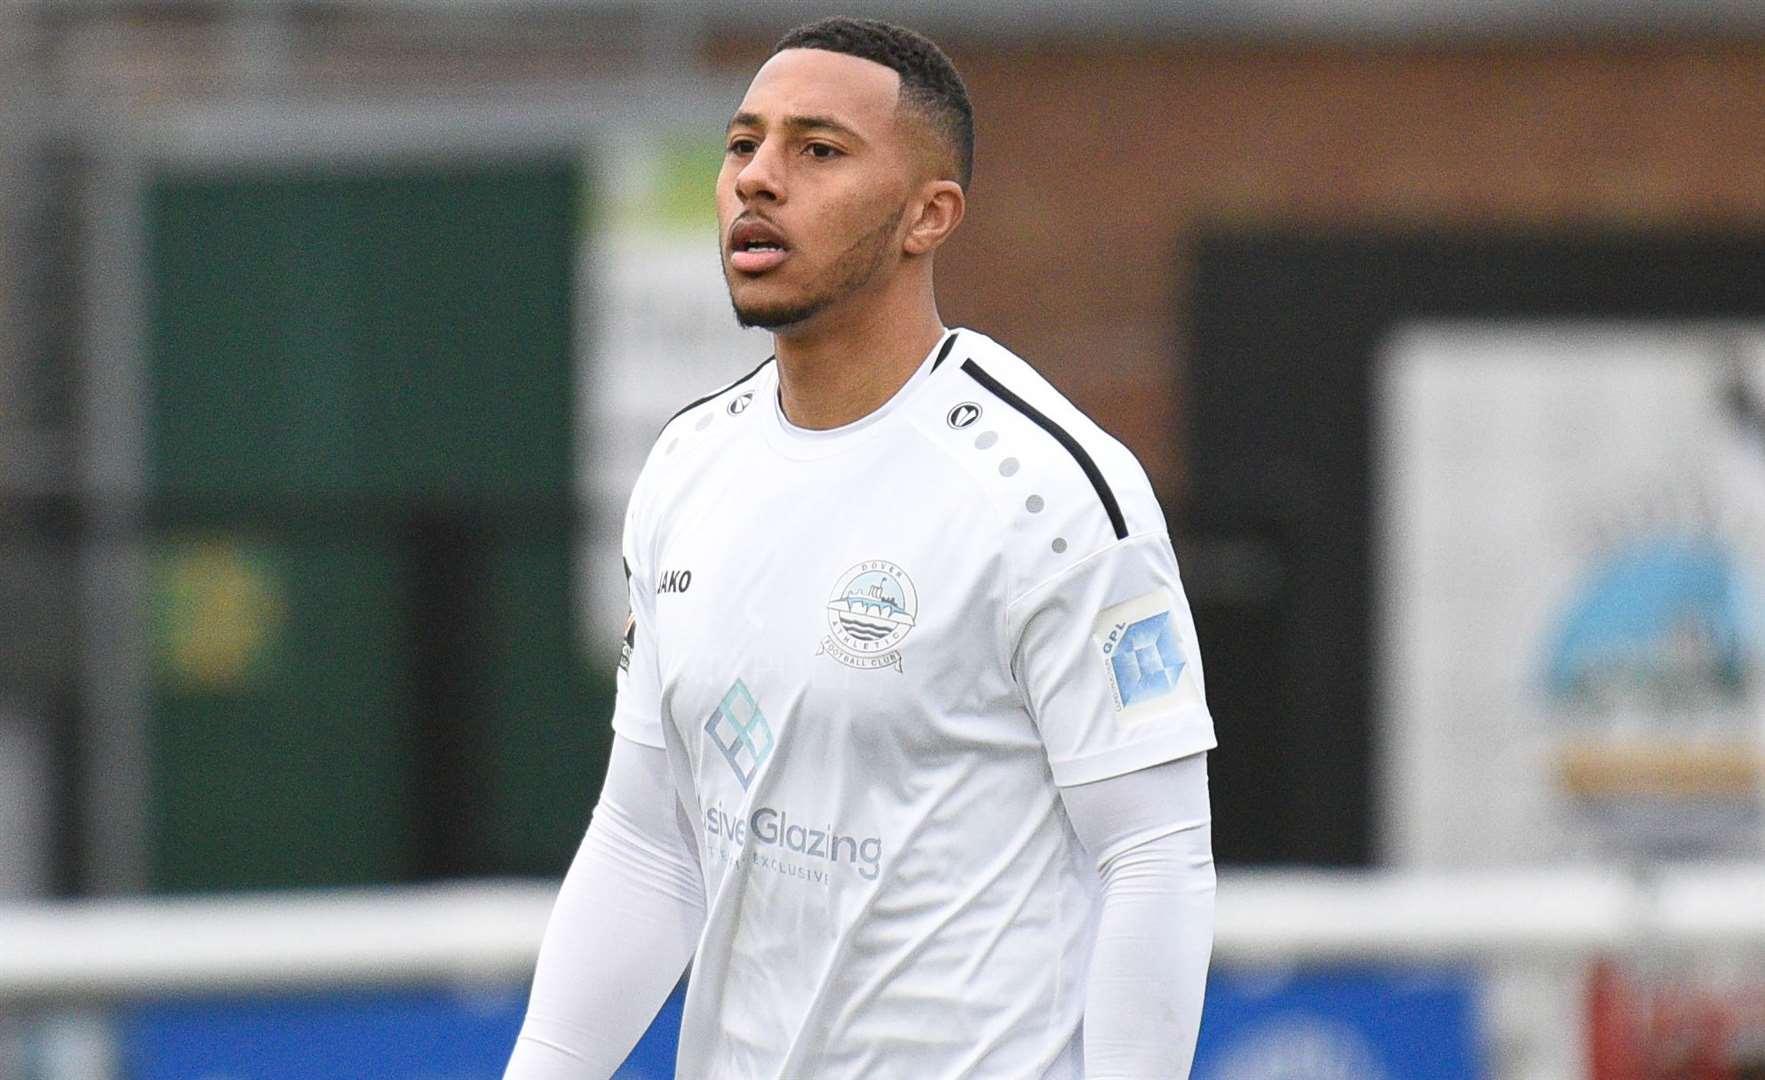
[550,714]
[288,770]
[391,336]
[361,413]
[255,312]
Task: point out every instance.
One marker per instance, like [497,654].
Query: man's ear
[941,205]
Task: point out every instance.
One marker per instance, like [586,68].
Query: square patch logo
[1146,661]
[740,732]
[1143,657]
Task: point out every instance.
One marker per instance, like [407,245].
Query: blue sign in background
[1340,1023]
[408,1035]
[1303,1024]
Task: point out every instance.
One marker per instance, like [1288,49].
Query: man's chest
[845,612]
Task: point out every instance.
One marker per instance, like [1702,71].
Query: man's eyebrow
[796,123]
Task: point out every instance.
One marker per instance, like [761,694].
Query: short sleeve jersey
[873,654]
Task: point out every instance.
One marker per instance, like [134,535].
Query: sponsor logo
[630,641]
[873,606]
[740,732]
[1142,656]
[1653,670]
[674,581]
[766,834]
[963,415]
[739,404]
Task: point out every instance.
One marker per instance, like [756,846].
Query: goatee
[854,269]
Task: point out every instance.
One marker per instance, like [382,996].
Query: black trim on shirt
[949,343]
[691,405]
[1061,436]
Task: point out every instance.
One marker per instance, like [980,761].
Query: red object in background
[1672,1031]
[1614,1049]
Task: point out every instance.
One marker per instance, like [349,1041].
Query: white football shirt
[872,654]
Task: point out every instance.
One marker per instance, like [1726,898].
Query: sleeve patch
[629,643]
[1142,657]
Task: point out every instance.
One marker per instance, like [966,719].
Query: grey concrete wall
[16,93]
[24,741]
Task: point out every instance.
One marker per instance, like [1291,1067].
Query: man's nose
[761,176]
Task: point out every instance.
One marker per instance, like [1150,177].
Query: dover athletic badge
[872,607]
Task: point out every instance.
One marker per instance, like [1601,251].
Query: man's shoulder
[733,397]
[696,422]
[1035,451]
[686,436]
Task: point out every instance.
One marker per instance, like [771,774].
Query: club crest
[872,607]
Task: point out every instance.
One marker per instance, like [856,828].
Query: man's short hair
[929,82]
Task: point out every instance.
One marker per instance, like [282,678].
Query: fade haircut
[929,83]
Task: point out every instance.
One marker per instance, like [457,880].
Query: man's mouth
[756,247]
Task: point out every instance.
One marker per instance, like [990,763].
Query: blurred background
[333,333]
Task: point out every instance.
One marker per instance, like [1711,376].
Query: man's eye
[821,150]
[741,146]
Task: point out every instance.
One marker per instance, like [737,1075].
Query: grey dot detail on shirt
[1059,545]
[1034,504]
[985,440]
[704,422]
[1008,467]
[672,443]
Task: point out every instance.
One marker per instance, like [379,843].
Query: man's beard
[853,270]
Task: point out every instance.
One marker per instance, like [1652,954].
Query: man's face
[815,178]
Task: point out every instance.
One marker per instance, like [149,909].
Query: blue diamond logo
[1147,662]
[740,732]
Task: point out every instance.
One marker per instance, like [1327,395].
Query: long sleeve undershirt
[1150,832]
[624,927]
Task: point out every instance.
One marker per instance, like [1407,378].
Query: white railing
[271,941]
[490,931]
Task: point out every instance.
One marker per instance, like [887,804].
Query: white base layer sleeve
[1151,834]
[624,927]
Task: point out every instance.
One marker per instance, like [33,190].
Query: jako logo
[674,581]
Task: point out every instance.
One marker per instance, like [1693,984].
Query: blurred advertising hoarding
[1573,594]
[1364,1023]
[1348,1023]
[428,1033]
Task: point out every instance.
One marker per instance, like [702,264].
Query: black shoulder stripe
[691,405]
[1061,436]
[949,343]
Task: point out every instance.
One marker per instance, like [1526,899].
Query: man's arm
[1151,833]
[625,925]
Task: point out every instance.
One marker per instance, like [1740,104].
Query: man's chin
[772,316]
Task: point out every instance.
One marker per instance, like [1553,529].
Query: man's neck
[835,374]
